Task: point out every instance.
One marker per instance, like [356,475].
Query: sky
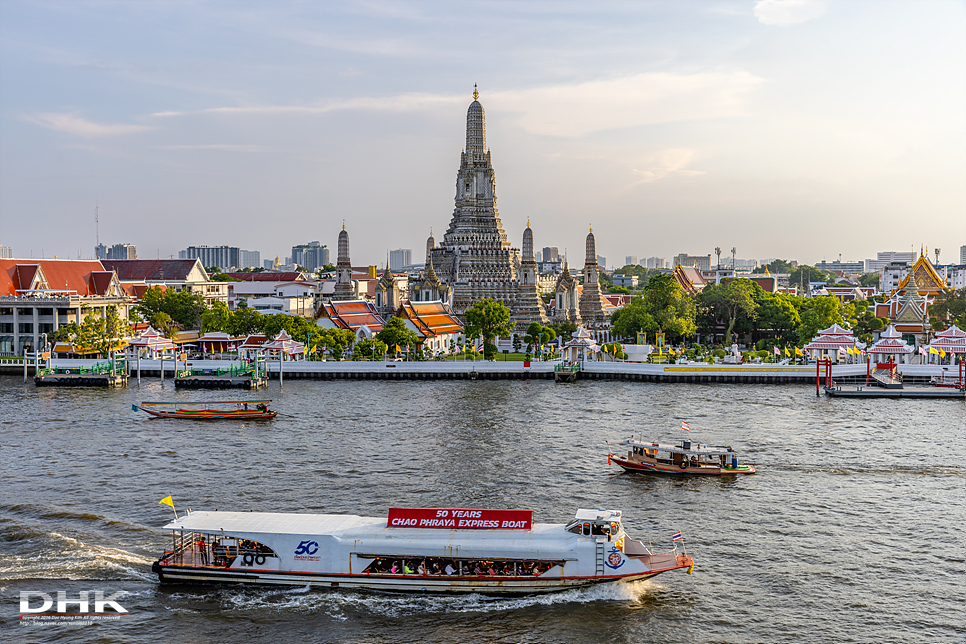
[798,129]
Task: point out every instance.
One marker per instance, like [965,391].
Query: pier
[98,374]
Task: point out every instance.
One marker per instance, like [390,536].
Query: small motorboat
[209,410]
[686,458]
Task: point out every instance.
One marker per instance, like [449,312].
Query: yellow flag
[798,352]
[671,351]
[786,352]
[166,501]
[933,350]
[942,353]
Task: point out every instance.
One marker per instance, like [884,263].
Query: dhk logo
[82,602]
[307,548]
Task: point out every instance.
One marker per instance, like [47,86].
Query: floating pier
[81,380]
[230,377]
[902,392]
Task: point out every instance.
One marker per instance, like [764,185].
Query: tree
[730,303]
[65,332]
[776,266]
[564,329]
[804,274]
[397,334]
[244,321]
[663,305]
[184,307]
[949,308]
[216,319]
[100,334]
[488,319]
[819,313]
[334,340]
[369,349]
[224,277]
[517,343]
[537,334]
[777,314]
[869,279]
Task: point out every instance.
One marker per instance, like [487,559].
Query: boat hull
[392,583]
[660,468]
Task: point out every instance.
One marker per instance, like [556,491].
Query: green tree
[778,315]
[869,279]
[65,332]
[184,307]
[99,334]
[244,321]
[564,329]
[730,304]
[804,274]
[663,305]
[488,319]
[224,277]
[819,313]
[397,334]
[335,341]
[216,319]
[776,266]
[948,308]
[369,349]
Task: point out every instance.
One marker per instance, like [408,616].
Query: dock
[98,374]
[233,376]
[893,392]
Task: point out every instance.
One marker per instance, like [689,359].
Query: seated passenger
[490,571]
[407,569]
[422,568]
[449,569]
[477,570]
[395,568]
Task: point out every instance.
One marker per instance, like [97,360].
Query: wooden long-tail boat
[206,410]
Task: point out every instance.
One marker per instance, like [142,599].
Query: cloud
[224,147]
[665,163]
[788,12]
[643,99]
[567,110]
[77,126]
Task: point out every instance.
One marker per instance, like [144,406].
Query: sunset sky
[785,128]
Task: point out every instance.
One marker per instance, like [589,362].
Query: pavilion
[952,342]
[832,342]
[152,341]
[581,347]
[285,345]
[892,346]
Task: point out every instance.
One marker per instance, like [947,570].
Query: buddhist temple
[567,302]
[528,307]
[344,288]
[434,323]
[592,305]
[351,315]
[891,347]
[690,279]
[833,343]
[908,305]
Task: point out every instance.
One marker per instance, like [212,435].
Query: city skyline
[840,123]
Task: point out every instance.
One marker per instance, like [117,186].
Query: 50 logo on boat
[307,548]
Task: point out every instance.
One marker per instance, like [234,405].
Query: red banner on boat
[460,518]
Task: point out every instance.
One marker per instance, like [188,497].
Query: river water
[852,531]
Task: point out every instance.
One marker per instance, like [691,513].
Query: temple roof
[352,315]
[430,318]
[925,278]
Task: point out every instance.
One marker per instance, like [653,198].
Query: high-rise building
[887,258]
[631,260]
[550,254]
[537,256]
[848,268]
[701,262]
[122,251]
[601,262]
[249,259]
[224,257]
[311,256]
[655,262]
[962,254]
[7,253]
[399,258]
[100,251]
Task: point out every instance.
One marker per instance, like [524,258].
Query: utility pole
[717,251]
[733,251]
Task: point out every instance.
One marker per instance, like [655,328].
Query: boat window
[445,567]
[587,529]
[574,526]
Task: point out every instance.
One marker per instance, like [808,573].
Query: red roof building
[350,314]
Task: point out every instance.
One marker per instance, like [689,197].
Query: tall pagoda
[528,306]
[592,304]
[474,257]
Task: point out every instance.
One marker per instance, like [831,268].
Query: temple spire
[476,94]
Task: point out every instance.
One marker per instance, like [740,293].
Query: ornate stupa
[567,308]
[528,307]
[592,310]
[344,289]
[475,258]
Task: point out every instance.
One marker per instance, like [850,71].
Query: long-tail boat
[209,410]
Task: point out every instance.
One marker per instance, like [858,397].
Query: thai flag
[677,537]
[685,426]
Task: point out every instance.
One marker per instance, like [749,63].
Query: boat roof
[322,524]
[696,448]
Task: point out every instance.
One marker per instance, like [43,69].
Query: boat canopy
[700,450]
[269,522]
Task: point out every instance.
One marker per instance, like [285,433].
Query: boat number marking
[615,559]
[307,548]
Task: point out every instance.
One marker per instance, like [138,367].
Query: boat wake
[342,604]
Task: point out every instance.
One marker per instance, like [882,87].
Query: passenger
[422,568]
[203,549]
[490,571]
[407,569]
[478,570]
[465,570]
[395,568]
[536,570]
[435,567]
[449,569]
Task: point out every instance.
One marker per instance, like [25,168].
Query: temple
[593,307]
[344,287]
[474,258]
[528,306]
[908,305]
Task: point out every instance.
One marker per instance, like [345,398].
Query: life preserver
[260,560]
[247,559]
[684,464]
[66,370]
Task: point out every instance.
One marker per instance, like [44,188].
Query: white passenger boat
[414,549]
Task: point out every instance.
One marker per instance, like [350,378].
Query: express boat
[449,550]
[684,458]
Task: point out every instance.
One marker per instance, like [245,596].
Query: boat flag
[169,501]
[685,426]
[677,537]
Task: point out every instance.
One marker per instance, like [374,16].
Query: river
[852,531]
